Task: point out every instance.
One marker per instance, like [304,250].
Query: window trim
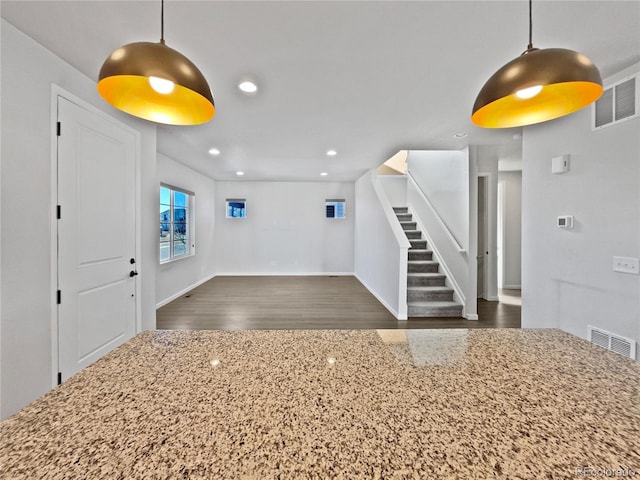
[191,247]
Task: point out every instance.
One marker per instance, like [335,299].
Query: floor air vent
[610,341]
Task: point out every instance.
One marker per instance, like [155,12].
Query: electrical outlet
[626,265]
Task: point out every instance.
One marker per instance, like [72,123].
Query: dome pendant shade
[126,79]
[568,79]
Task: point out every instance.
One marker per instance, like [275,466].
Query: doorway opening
[509,213]
[482,257]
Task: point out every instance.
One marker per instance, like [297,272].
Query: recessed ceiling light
[324,174]
[332,153]
[239,173]
[214,151]
[248,86]
[461,135]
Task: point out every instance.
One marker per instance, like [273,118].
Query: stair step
[408,225]
[404,217]
[413,234]
[423,266]
[434,309]
[430,294]
[418,244]
[420,254]
[425,279]
[401,209]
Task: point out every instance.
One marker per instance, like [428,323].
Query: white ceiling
[366,78]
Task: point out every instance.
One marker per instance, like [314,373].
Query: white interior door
[96,236]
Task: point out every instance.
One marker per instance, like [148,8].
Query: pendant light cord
[530,46]
[162,22]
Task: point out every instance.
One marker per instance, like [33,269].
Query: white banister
[396,228]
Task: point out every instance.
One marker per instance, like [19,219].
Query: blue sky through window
[236,209]
[334,208]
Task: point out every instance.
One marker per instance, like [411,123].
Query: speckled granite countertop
[423,404]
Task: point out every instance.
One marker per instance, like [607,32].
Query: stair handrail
[442,223]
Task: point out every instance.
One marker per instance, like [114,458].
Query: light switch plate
[626,265]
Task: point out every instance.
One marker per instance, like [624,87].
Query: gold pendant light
[539,85]
[157,83]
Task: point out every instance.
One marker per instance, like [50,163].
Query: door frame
[483,215]
[490,260]
[57,91]
[500,250]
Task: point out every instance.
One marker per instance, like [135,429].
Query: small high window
[176,223]
[236,208]
[334,208]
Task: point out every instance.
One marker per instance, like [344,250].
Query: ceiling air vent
[611,341]
[619,102]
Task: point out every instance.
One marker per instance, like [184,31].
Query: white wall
[395,188]
[28,71]
[176,278]
[512,241]
[441,193]
[381,246]
[285,231]
[443,175]
[567,276]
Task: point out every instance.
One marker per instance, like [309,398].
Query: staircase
[427,292]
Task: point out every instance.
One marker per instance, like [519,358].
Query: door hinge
[59,297]
[59,378]
[58,212]
[58,128]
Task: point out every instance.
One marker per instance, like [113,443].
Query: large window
[176,223]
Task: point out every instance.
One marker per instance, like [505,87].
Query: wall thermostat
[565,221]
[560,164]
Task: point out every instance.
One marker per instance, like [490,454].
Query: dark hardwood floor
[310,302]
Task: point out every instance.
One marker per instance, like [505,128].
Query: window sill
[176,259]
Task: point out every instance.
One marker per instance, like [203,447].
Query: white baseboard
[512,287]
[381,300]
[284,274]
[471,316]
[492,299]
[186,290]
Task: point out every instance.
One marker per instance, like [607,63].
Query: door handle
[133,273]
